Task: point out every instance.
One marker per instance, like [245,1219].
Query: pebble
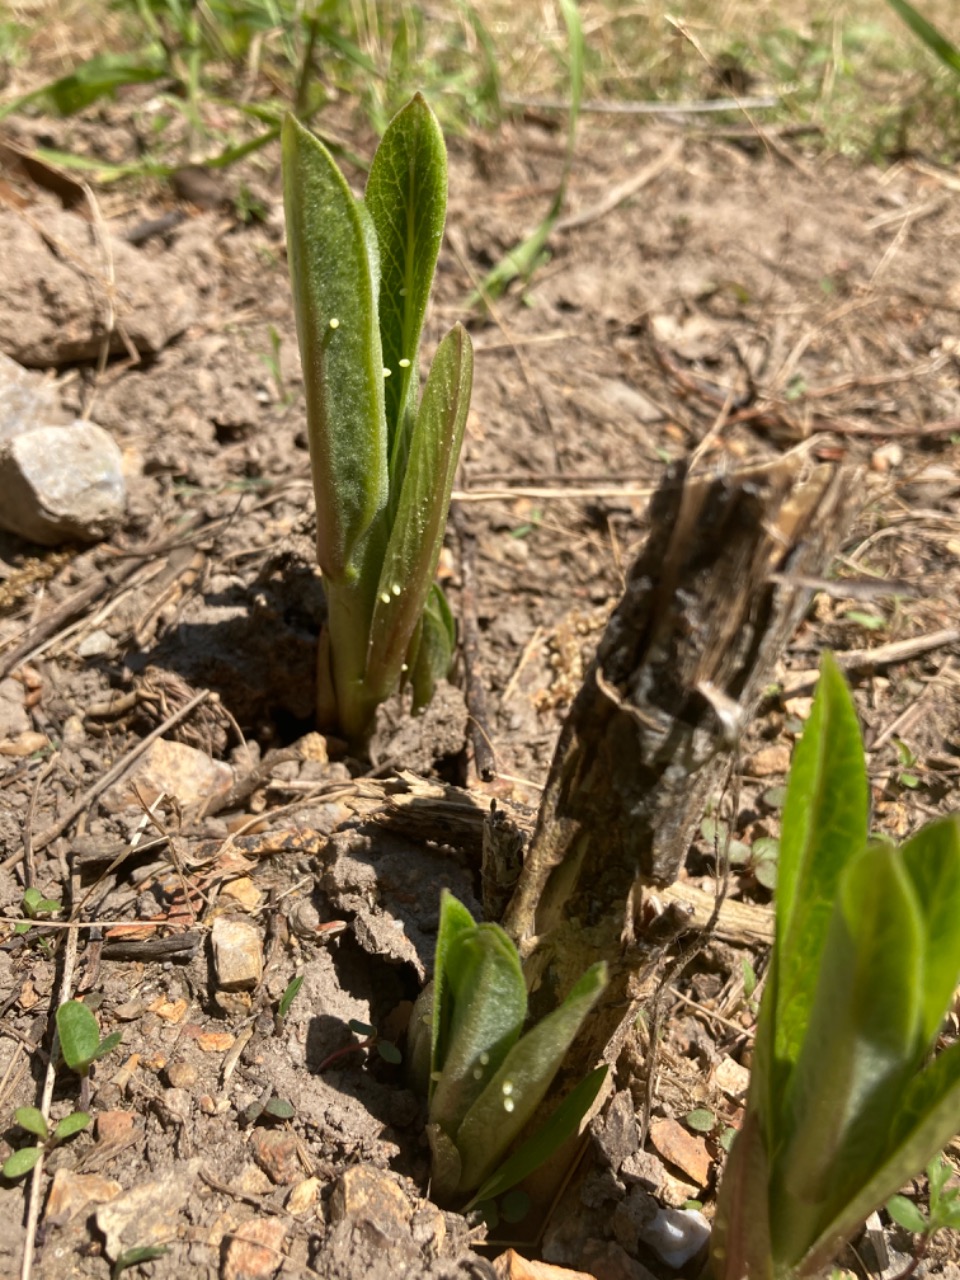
[26,399]
[676,1235]
[303,1196]
[62,484]
[185,772]
[254,1251]
[275,1151]
[70,1193]
[768,762]
[731,1078]
[685,1150]
[181,1075]
[237,953]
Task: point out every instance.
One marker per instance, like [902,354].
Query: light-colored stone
[679,1147]
[62,484]
[303,1196]
[676,1235]
[26,399]
[256,1250]
[275,1151]
[513,1266]
[237,953]
[768,762]
[731,1078]
[181,771]
[70,1193]
[243,892]
[147,1213]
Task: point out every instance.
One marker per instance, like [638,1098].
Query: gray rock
[237,953]
[60,484]
[26,399]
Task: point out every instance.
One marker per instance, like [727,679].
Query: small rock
[609,1261]
[253,1181]
[303,1196]
[148,1213]
[114,1127]
[208,1105]
[255,1250]
[215,1041]
[304,918]
[513,1266]
[681,1148]
[731,1078]
[71,1192]
[243,892]
[181,1075]
[768,762]
[24,744]
[62,483]
[96,644]
[275,1151]
[643,1169]
[675,1193]
[178,1103]
[887,458]
[179,770]
[26,399]
[617,1135]
[237,953]
[13,714]
[367,1196]
[676,1235]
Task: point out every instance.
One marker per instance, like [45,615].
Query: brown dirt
[795,296]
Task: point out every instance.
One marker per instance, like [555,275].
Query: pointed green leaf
[434,647]
[454,920]
[519,1086]
[20,1162]
[932,860]
[331,246]
[407,198]
[935,41]
[410,560]
[107,1044]
[550,1137]
[861,1046]
[71,1124]
[488,1004]
[79,1035]
[288,997]
[31,1119]
[925,1120]
[824,825]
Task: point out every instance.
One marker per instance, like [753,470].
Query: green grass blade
[550,1137]
[407,199]
[519,1086]
[935,41]
[333,269]
[824,825]
[932,860]
[410,560]
[98,77]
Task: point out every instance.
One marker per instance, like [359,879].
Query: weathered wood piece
[649,739]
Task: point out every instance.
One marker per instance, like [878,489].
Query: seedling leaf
[288,997]
[79,1035]
[20,1162]
[906,1214]
[31,1119]
[71,1124]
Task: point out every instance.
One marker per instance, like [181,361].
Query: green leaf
[79,1035]
[932,860]
[701,1120]
[740,1240]
[389,1052]
[331,246]
[824,825]
[98,77]
[537,1150]
[75,1122]
[20,1162]
[434,647]
[410,560]
[906,1214]
[923,1123]
[935,41]
[862,1043]
[278,1109]
[515,1206]
[488,1004]
[518,1087]
[288,997]
[407,198]
[107,1044]
[31,1119]
[454,920]
[133,1257]
[361,1028]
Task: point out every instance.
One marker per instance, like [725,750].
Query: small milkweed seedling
[383,457]
[80,1042]
[483,1077]
[369,1039]
[32,1120]
[943,1212]
[847,1100]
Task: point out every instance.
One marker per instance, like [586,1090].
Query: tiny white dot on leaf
[404,363]
[334,323]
